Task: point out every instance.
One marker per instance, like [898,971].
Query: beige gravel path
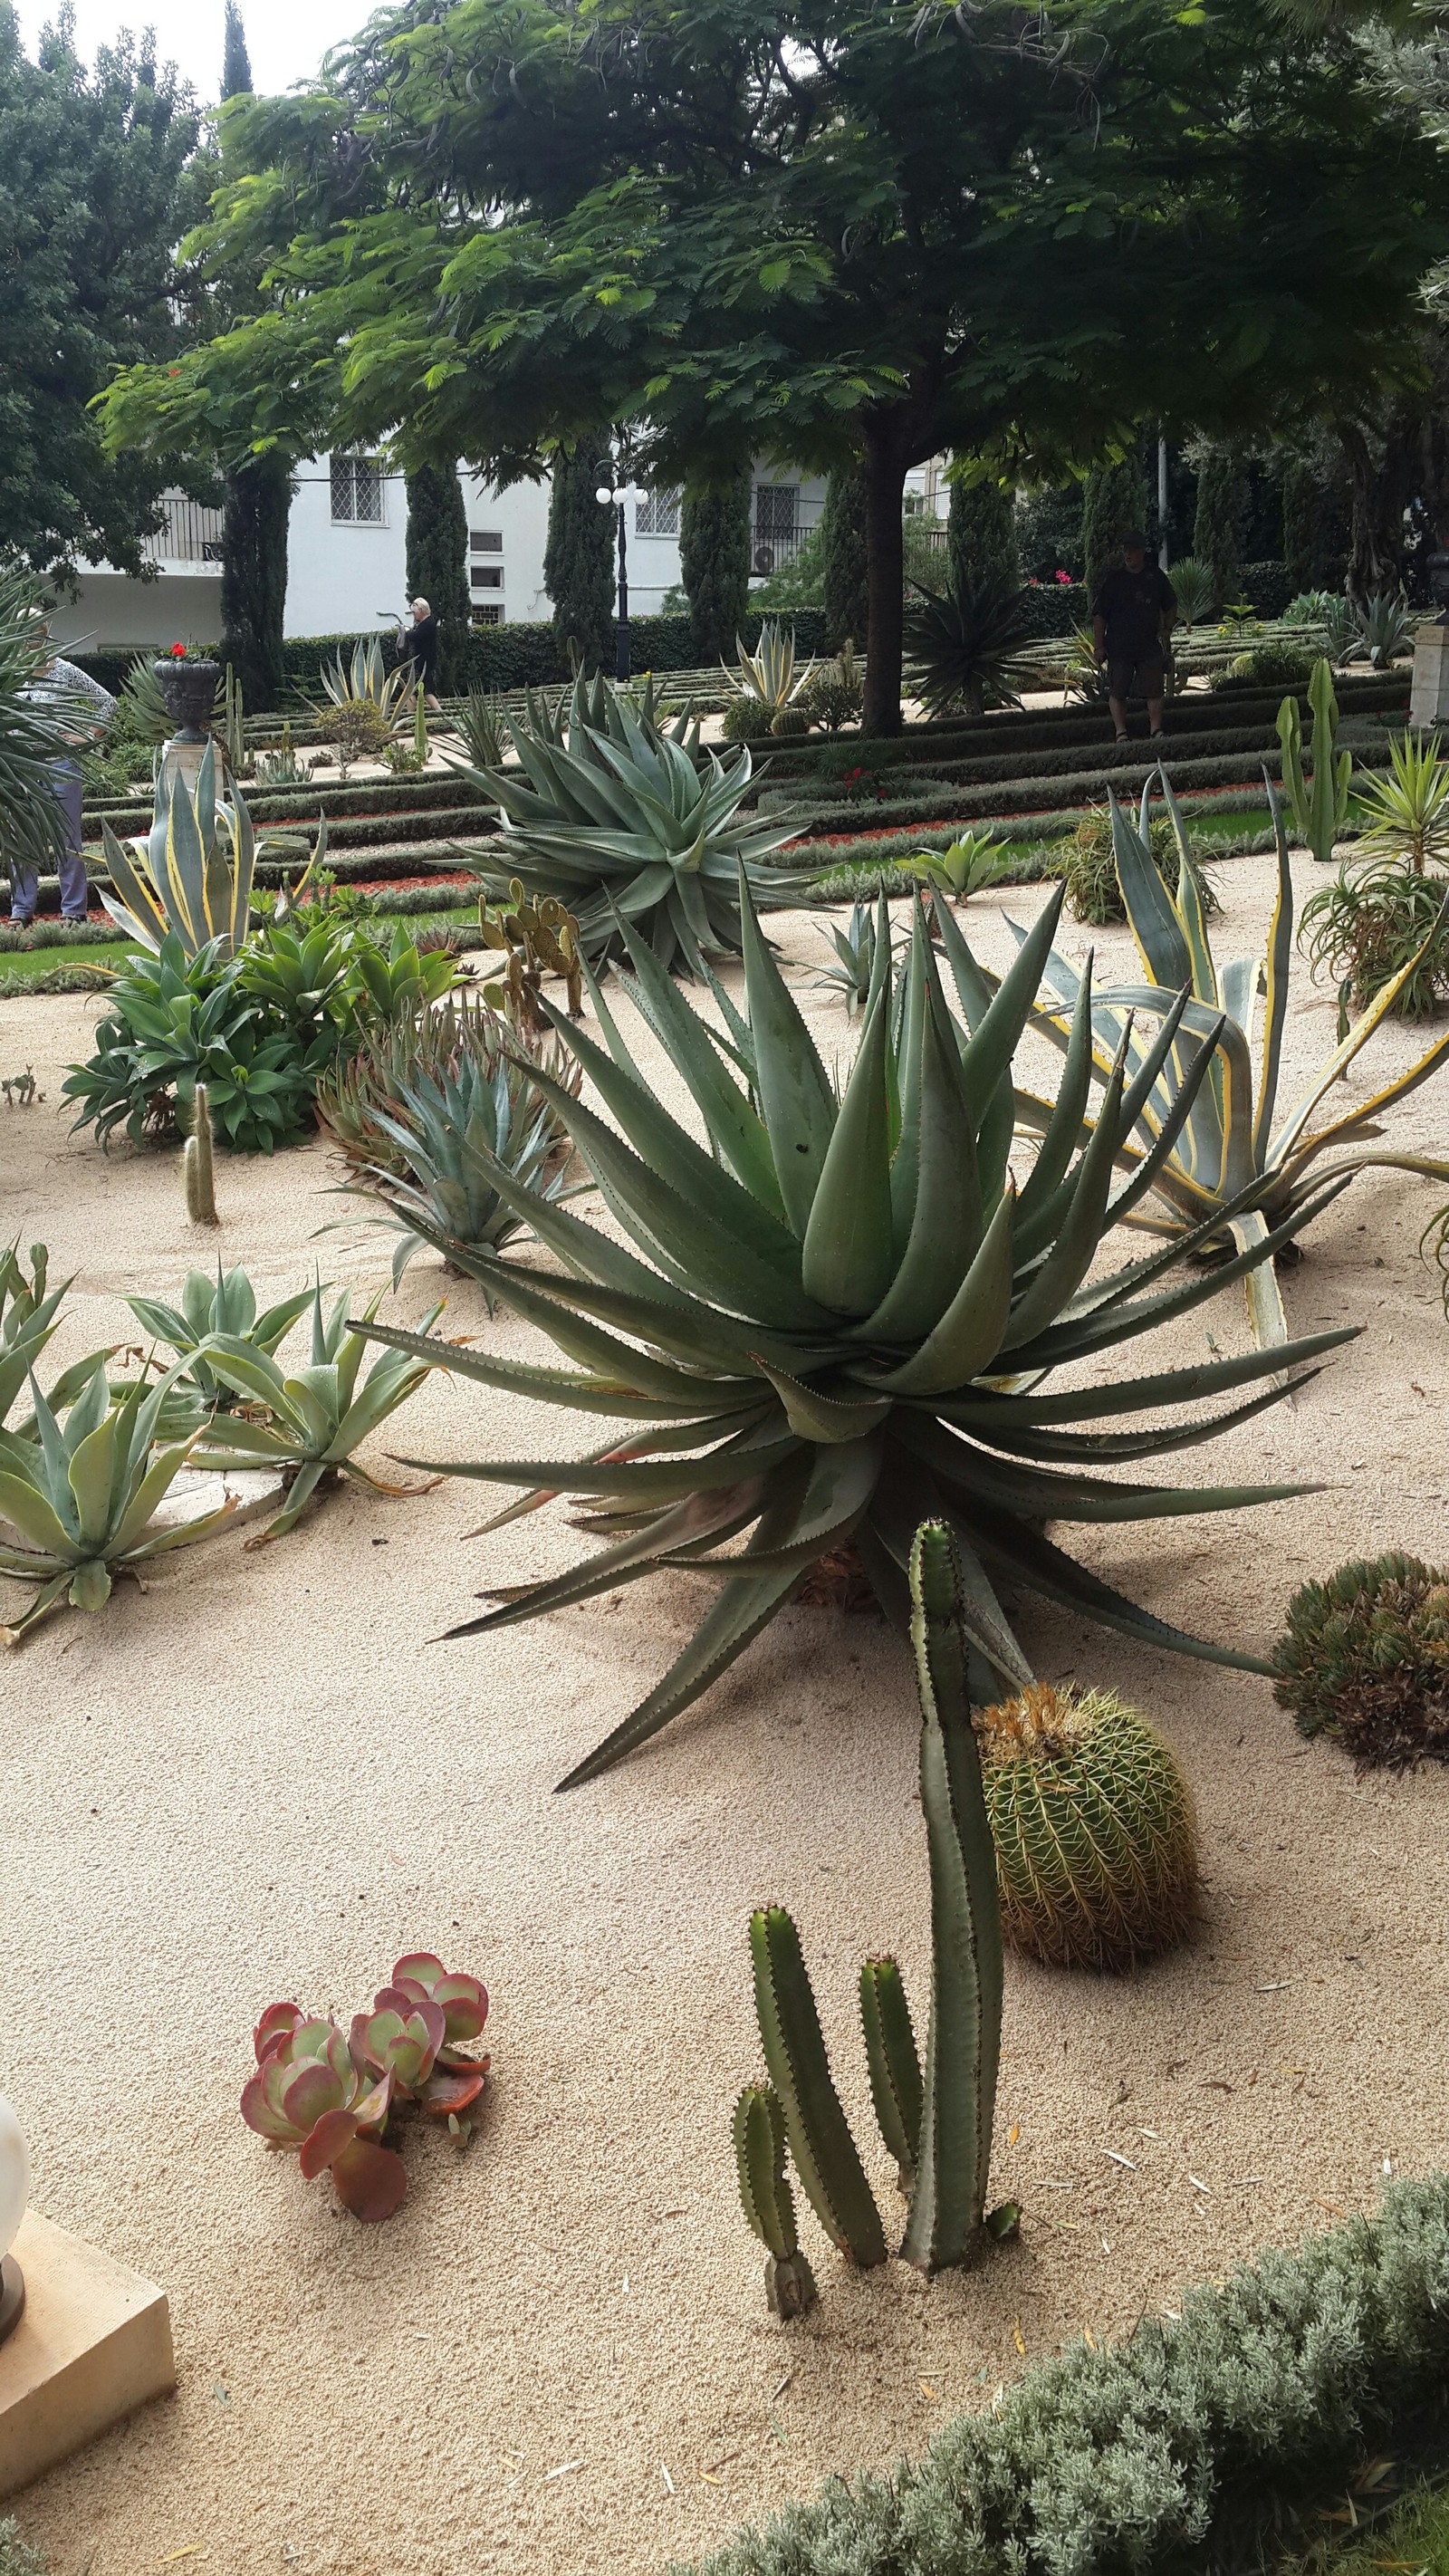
[260,1780]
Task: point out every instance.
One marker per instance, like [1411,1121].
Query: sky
[285,38]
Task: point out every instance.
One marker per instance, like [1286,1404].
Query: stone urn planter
[189,689]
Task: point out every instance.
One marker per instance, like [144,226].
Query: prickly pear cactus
[1365,1659]
[1093,1825]
[769,2203]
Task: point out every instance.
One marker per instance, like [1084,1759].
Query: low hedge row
[1186,2450]
[303,804]
[1026,796]
[1204,743]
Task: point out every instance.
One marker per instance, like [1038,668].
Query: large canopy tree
[843,231]
[92,170]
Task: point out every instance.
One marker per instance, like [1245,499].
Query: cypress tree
[1115,502]
[981,536]
[254,576]
[236,66]
[842,538]
[437,560]
[714,559]
[1223,503]
[578,560]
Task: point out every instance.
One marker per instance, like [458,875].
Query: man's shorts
[1142,679]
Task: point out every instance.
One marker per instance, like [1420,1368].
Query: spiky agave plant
[190,879]
[835,1317]
[623,820]
[1237,1171]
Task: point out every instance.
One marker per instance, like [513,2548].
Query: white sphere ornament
[14,2194]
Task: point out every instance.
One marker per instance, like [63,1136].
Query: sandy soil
[261,1780]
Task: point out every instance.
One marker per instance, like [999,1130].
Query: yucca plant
[1404,815]
[309,1422]
[190,879]
[226,1304]
[846,1306]
[769,683]
[622,821]
[82,1497]
[1318,804]
[1238,1174]
[968,647]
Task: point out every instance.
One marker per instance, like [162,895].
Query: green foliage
[981,537]
[578,559]
[308,1421]
[1114,502]
[769,682]
[759,2134]
[1220,528]
[1405,816]
[967,867]
[896,2090]
[853,974]
[32,728]
[192,880]
[256,512]
[1318,803]
[483,726]
[1049,531]
[226,1304]
[1092,1821]
[92,179]
[796,587]
[83,1496]
[714,558]
[967,647]
[17,2558]
[175,1021]
[826,2157]
[843,591]
[829,1288]
[1094,893]
[1183,2450]
[1365,1659]
[834,694]
[1268,666]
[1383,629]
[1308,555]
[1379,928]
[617,816]
[236,66]
[437,565]
[1243,1174]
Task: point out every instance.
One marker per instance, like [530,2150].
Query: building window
[487,576]
[357,491]
[490,615]
[486,541]
[656,514]
[777,509]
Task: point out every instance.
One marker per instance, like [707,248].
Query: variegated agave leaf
[836,1313]
[626,822]
[191,877]
[1238,1170]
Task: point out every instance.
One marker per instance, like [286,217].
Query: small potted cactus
[188,683]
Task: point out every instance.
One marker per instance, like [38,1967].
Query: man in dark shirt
[1132,617]
[418,643]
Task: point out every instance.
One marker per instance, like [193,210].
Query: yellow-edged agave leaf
[824,1373]
[191,878]
[1229,1157]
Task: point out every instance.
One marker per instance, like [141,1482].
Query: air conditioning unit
[764,559]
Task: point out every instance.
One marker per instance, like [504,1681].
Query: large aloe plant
[1238,1171]
[191,877]
[835,1315]
[624,821]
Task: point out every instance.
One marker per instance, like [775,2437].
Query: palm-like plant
[967,647]
[36,719]
[1194,587]
[836,1315]
[1238,1174]
[190,879]
[309,1422]
[625,822]
[82,1497]
[1404,816]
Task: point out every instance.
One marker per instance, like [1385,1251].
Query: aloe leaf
[746,1604]
[1046,1569]
[736,1128]
[796,1100]
[26,1508]
[969,1334]
[698,1521]
[1151,915]
[947,1228]
[847,1258]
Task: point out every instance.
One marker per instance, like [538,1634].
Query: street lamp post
[614,495]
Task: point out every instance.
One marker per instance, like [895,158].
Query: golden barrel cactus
[1093,1823]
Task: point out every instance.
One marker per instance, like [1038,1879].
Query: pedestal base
[1429,694]
[183,759]
[93,2344]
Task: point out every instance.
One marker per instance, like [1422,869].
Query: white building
[346,555]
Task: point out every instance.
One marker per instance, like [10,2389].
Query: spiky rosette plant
[623,820]
[1365,1659]
[1092,1820]
[839,1317]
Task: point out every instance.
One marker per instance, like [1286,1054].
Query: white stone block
[93,2344]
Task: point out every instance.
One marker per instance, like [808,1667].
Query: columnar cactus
[1093,1825]
[895,2067]
[196,1166]
[825,2154]
[947,2222]
[769,2203]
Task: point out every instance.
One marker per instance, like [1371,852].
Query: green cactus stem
[196,1166]
[947,2220]
[895,2067]
[1319,804]
[825,2154]
[768,2201]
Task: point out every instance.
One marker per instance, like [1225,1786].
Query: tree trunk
[1381,456]
[885,483]
[254,577]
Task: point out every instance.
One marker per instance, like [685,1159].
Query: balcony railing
[191,534]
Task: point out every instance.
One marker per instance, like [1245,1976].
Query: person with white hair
[85,709]
[417,643]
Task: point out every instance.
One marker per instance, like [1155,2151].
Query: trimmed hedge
[527,655]
[302,804]
[1180,2452]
